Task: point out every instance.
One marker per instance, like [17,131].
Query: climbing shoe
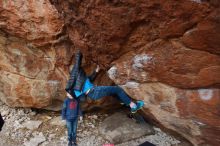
[138,106]
[74,144]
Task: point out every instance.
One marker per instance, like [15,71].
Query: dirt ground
[49,130]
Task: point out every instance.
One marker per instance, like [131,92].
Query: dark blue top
[71,109]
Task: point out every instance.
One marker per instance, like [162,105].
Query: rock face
[29,74]
[163,51]
[35,21]
[194,114]
[35,54]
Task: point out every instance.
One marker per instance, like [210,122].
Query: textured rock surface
[35,21]
[180,87]
[168,62]
[29,75]
[118,128]
[192,113]
[111,28]
[35,54]
[164,51]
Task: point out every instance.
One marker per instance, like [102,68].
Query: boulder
[35,55]
[36,140]
[28,74]
[32,125]
[163,51]
[119,128]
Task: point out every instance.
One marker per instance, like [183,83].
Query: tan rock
[191,113]
[26,75]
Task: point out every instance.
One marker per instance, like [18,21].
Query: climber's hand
[69,95]
[63,121]
[80,119]
[97,68]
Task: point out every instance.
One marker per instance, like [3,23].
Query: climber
[81,85]
[1,122]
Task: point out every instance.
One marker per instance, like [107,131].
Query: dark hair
[79,56]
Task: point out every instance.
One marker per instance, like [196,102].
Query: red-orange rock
[36,21]
[28,75]
[171,63]
[206,35]
[111,28]
[192,108]
[194,114]
[165,51]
